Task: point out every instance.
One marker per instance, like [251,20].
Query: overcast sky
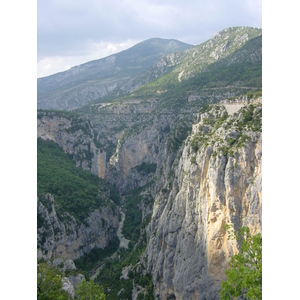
[71,32]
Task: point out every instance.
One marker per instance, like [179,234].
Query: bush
[86,290]
[245,268]
[49,283]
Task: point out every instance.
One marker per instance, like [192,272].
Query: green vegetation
[49,283]
[233,70]
[121,288]
[253,95]
[245,268]
[249,119]
[60,113]
[51,159]
[114,195]
[146,168]
[205,108]
[76,191]
[77,125]
[179,134]
[221,121]
[88,261]
[133,222]
[125,135]
[88,290]
[200,140]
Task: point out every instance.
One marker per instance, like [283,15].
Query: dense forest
[75,190]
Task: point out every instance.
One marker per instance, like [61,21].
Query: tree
[49,283]
[245,268]
[89,290]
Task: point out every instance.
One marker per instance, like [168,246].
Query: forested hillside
[76,191]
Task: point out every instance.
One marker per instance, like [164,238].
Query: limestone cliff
[200,183]
[139,153]
[74,134]
[217,181]
[59,235]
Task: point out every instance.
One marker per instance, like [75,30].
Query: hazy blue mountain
[96,79]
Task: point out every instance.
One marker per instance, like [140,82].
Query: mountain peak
[99,77]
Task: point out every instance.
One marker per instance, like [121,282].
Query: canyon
[183,149]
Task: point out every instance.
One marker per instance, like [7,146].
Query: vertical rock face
[75,136]
[64,237]
[217,181]
[214,179]
[138,155]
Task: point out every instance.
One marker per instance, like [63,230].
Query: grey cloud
[69,27]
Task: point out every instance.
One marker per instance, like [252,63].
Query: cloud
[54,64]
[88,28]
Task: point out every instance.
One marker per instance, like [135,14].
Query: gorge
[175,147]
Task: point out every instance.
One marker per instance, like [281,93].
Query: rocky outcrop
[139,153]
[217,181]
[76,279]
[74,134]
[69,283]
[62,236]
[67,286]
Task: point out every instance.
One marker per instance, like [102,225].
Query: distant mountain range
[155,65]
[233,57]
[98,78]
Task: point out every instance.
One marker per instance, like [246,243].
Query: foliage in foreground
[49,283]
[245,268]
[89,290]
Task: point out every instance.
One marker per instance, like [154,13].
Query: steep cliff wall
[75,136]
[217,181]
[139,153]
[61,236]
[211,179]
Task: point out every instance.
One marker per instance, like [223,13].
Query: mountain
[228,51]
[93,80]
[177,158]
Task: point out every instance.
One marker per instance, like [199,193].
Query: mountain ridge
[95,79]
[123,73]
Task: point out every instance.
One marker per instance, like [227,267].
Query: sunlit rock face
[189,250]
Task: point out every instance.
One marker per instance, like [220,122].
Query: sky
[72,32]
